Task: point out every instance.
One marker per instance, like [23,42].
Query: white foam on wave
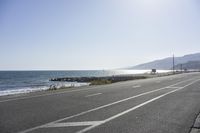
[22,90]
[41,88]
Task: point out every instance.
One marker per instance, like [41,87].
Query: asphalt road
[159,105]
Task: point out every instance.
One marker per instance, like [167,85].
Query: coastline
[126,77]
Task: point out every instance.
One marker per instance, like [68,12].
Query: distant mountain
[166,64]
[189,65]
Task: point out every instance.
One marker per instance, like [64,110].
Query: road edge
[196,126]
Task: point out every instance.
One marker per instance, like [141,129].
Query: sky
[95,34]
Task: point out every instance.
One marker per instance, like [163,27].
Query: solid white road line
[174,87]
[134,108]
[93,95]
[101,107]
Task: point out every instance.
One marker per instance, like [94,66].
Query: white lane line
[101,107]
[174,87]
[136,86]
[132,109]
[96,94]
[73,124]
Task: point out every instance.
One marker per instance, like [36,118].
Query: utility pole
[173,64]
[181,68]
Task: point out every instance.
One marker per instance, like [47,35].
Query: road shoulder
[196,126]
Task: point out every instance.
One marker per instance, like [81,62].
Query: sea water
[16,82]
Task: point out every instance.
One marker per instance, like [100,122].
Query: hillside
[166,63]
[189,65]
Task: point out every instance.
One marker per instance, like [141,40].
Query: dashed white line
[96,94]
[136,86]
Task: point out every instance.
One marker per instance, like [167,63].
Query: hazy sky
[95,34]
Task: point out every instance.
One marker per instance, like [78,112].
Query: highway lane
[174,113]
[36,110]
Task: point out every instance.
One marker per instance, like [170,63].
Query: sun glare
[151,6]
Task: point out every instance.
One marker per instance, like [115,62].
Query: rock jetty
[112,79]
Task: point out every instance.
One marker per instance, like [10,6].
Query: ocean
[16,82]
